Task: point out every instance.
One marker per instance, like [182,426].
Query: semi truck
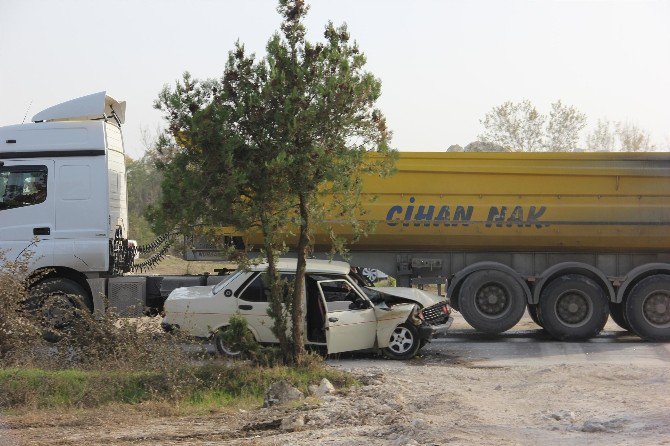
[572,238]
[64,210]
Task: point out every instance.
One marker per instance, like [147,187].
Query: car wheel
[222,347]
[648,308]
[573,307]
[404,342]
[534,313]
[491,301]
[617,313]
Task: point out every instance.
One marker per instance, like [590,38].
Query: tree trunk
[277,310]
[298,315]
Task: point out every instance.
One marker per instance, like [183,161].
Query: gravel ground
[520,388]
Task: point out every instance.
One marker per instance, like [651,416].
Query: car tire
[573,307]
[618,315]
[648,308]
[404,342]
[221,346]
[534,313]
[491,301]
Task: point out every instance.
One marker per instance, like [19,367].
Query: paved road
[534,347]
[527,344]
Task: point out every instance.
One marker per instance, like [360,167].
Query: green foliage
[257,148]
[238,337]
[143,184]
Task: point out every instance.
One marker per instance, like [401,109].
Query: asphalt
[535,347]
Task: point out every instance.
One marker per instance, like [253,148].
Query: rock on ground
[281,392]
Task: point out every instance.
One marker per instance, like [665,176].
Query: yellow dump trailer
[574,236]
[521,201]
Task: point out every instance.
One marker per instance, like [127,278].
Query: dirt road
[519,388]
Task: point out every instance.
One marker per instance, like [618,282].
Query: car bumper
[168,327]
[429,332]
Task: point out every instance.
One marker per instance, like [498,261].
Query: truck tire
[57,301]
[617,313]
[573,307]
[491,301]
[534,314]
[648,308]
[60,286]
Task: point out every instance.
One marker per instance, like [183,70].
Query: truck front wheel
[573,307]
[491,301]
[57,301]
[648,308]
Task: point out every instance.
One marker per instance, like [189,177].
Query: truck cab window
[22,186]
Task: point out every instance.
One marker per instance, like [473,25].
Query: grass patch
[212,385]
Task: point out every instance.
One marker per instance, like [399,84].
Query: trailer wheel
[573,307]
[617,313]
[648,308]
[534,313]
[491,301]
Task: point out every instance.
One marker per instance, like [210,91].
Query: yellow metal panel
[519,202]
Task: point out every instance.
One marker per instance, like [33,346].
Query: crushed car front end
[434,321]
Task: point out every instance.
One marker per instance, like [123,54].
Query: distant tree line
[519,126]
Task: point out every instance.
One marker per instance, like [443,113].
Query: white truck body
[63,186]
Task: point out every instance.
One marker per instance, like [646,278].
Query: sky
[443,64]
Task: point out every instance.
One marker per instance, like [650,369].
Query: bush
[18,333]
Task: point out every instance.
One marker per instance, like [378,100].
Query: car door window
[22,186]
[339,295]
[256,291]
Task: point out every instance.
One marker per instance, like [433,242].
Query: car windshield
[372,294]
[224,283]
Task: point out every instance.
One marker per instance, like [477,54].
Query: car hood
[409,294]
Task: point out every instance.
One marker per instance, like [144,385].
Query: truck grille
[435,314]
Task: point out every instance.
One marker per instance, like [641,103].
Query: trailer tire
[573,307]
[648,308]
[491,301]
[534,313]
[618,315]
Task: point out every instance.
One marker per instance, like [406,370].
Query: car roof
[313,266]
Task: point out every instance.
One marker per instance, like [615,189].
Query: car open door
[351,323]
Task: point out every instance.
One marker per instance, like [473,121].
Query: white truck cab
[63,195]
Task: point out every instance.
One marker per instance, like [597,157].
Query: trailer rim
[573,308]
[492,300]
[656,308]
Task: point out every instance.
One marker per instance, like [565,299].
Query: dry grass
[172,265]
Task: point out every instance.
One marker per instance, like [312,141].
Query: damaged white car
[341,313]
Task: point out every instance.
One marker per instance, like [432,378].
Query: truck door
[350,318]
[27,210]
